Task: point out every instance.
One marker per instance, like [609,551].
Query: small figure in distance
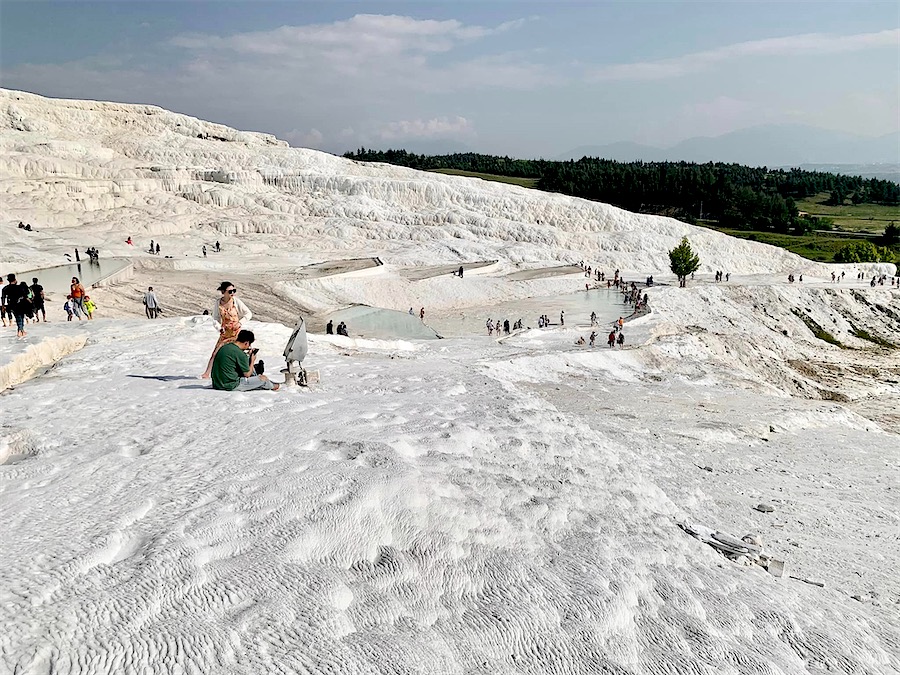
[3,308]
[204,250]
[37,299]
[151,304]
[593,337]
[233,366]
[217,247]
[621,340]
[15,299]
[460,272]
[70,308]
[329,327]
[89,307]
[342,329]
[78,293]
[422,314]
[611,338]
[580,340]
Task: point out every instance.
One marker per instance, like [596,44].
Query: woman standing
[228,312]
[78,294]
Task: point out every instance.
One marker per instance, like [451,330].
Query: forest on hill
[733,195]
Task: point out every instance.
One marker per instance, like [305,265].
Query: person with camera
[233,366]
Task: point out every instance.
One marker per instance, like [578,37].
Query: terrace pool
[58,279]
[578,307]
[375,322]
[382,324]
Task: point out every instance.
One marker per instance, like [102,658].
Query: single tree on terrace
[683,261]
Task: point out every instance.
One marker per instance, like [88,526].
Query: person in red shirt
[77,293]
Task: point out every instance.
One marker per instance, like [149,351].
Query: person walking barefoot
[229,311]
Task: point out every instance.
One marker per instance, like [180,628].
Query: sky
[528,79]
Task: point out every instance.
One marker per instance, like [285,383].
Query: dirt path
[544,272]
[188,293]
[330,267]
[429,271]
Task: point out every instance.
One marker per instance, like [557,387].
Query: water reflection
[58,279]
[578,306]
[375,322]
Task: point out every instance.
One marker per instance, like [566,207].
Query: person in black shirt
[3,311]
[37,299]
[14,302]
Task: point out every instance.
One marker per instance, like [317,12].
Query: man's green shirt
[229,367]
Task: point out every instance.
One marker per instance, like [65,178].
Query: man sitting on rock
[233,370]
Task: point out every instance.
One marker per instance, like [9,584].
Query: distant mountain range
[785,145]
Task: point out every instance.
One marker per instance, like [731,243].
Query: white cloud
[357,39]
[794,45]
[305,139]
[371,78]
[438,127]
[390,51]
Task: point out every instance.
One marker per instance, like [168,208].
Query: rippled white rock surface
[452,506]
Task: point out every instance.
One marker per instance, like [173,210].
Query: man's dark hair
[10,278]
[246,336]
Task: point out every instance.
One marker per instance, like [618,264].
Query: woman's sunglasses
[231,291]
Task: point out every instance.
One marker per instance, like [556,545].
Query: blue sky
[521,78]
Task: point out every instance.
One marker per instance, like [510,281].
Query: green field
[818,247]
[870,218]
[522,182]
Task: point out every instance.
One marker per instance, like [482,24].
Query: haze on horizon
[525,79]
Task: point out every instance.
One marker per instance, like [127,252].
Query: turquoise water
[382,324]
[374,322]
[59,279]
[578,307]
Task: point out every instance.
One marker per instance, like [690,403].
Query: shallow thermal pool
[59,279]
[578,307]
[375,322]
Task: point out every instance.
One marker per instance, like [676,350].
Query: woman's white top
[244,313]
